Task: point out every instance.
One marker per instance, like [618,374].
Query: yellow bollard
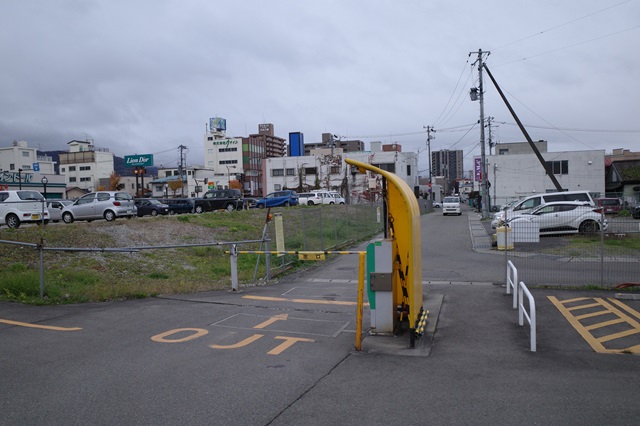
[360,305]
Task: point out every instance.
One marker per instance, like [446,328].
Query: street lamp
[44,181]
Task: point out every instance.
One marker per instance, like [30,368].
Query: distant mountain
[118,164]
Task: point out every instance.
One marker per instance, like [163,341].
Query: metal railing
[530,315]
[512,282]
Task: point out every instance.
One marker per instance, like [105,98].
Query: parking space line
[624,316]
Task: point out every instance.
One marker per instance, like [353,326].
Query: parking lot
[284,353]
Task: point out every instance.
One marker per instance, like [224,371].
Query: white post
[234,267]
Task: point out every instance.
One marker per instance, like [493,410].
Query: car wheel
[172,212]
[198,209]
[109,216]
[12,221]
[309,203]
[330,202]
[230,207]
[154,212]
[260,206]
[341,203]
[588,227]
[67,218]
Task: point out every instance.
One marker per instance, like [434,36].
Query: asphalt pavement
[284,353]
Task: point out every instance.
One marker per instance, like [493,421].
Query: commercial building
[84,165]
[22,168]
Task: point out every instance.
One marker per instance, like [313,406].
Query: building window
[12,166]
[408,169]
[72,168]
[503,151]
[335,170]
[62,169]
[25,153]
[291,172]
[167,174]
[559,167]
[228,162]
[84,168]
[277,187]
[227,149]
[309,170]
[210,138]
[389,167]
[85,179]
[277,172]
[72,179]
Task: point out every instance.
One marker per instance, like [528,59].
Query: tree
[234,184]
[114,182]
[175,185]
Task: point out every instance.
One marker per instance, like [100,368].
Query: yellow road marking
[240,344]
[162,337]
[315,301]
[609,308]
[44,327]
[288,342]
[273,319]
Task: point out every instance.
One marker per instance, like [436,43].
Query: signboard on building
[217,124]
[477,169]
[142,160]
[225,142]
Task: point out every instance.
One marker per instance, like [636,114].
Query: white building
[84,165]
[324,171]
[22,167]
[513,176]
[223,158]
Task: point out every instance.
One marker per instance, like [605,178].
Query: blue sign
[36,167]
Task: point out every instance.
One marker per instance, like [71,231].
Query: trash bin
[504,238]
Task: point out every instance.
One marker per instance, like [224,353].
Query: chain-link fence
[578,247]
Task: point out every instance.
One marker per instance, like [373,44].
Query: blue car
[278,198]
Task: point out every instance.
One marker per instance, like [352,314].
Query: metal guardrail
[512,282]
[531,315]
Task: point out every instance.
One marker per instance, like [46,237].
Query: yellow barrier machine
[394,264]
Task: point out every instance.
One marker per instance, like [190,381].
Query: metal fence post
[234,267]
[267,261]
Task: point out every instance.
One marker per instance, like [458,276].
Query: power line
[561,25]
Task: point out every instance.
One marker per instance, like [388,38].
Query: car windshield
[30,195]
[451,200]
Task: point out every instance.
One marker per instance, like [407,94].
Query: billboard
[142,160]
[217,124]
[477,169]
[296,144]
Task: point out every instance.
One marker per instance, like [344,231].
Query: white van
[529,203]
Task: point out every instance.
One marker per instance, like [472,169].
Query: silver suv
[107,205]
[21,206]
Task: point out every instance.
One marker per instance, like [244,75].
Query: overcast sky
[144,76]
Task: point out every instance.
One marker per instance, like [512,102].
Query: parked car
[21,206]
[451,205]
[337,197]
[610,205]
[219,199]
[179,205]
[532,201]
[150,206]
[636,212]
[55,209]
[107,205]
[565,218]
[278,198]
[316,197]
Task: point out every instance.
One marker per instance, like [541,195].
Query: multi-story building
[513,176]
[21,167]
[331,141]
[241,158]
[84,165]
[446,167]
[330,172]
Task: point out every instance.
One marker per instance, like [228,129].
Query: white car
[451,205]
[21,206]
[337,197]
[565,218]
[55,209]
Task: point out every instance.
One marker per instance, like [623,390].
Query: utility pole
[181,167]
[491,143]
[483,159]
[429,139]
